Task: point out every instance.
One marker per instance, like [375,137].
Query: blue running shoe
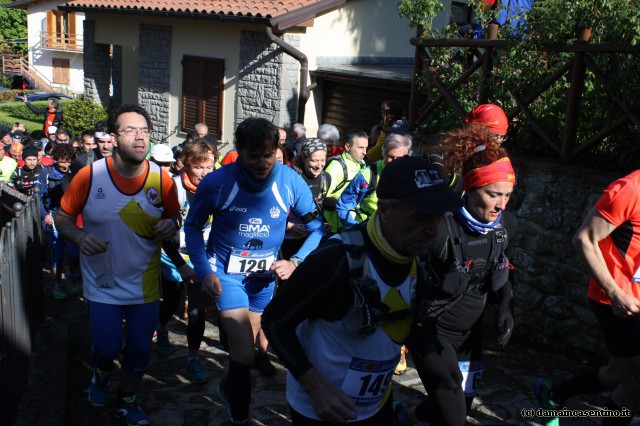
[542,391]
[195,371]
[99,388]
[129,410]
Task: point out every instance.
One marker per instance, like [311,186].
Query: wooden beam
[547,83]
[463,77]
[604,81]
[534,123]
[598,137]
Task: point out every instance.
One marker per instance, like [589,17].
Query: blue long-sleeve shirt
[357,194]
[248,225]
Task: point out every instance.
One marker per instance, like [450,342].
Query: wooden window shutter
[71,37]
[61,71]
[190,93]
[213,84]
[51,28]
[202,88]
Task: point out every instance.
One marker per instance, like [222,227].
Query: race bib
[247,262]
[471,375]
[367,381]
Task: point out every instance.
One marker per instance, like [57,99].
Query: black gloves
[505,314]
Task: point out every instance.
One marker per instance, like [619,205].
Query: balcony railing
[61,41]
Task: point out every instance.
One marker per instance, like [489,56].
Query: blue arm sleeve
[200,208]
[315,228]
[303,205]
[350,198]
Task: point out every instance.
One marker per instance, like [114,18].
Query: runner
[249,201]
[609,243]
[198,162]
[341,350]
[470,261]
[128,206]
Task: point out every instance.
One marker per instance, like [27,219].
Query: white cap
[162,154]
[51,130]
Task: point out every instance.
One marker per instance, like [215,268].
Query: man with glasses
[128,205]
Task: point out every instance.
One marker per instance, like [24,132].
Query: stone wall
[97,66]
[155,74]
[268,80]
[552,309]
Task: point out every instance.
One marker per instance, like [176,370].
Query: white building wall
[202,38]
[41,59]
[362,28]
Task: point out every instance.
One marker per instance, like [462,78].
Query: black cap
[421,183]
[37,144]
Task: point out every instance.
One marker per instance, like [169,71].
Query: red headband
[500,171]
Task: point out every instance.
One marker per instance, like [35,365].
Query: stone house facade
[221,62]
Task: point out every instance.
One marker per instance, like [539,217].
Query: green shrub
[524,67]
[82,114]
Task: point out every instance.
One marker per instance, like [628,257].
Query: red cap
[490,2]
[491,116]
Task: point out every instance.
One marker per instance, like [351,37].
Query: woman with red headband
[468,264]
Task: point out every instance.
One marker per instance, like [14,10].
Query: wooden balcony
[64,42]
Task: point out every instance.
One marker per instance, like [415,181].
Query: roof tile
[256,8]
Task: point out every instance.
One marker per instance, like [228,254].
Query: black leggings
[461,339]
[170,301]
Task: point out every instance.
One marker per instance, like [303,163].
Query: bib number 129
[248,266]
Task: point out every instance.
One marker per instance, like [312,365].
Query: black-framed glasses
[130,131]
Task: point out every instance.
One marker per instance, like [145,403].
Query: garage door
[353,102]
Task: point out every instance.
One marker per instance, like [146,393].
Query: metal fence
[21,295]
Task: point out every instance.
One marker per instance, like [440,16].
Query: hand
[505,325]
[165,229]
[91,244]
[330,403]
[283,268]
[24,97]
[48,219]
[624,305]
[211,286]
[448,374]
[187,274]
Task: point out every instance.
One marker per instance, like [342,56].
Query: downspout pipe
[305,91]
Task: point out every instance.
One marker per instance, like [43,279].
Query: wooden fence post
[573,108]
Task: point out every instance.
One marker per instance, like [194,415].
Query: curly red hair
[460,145]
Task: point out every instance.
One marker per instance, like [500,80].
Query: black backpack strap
[457,239]
[345,173]
[373,180]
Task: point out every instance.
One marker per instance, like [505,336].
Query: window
[202,85]
[61,29]
[61,68]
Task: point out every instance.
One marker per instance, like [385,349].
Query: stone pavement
[61,370]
